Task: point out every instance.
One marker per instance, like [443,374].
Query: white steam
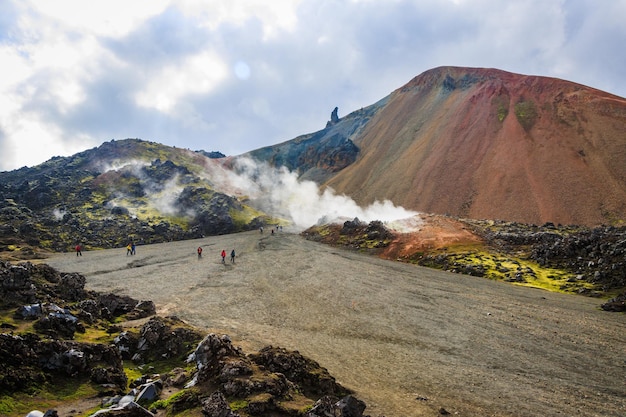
[279,193]
[163,197]
[160,196]
[275,191]
[58,214]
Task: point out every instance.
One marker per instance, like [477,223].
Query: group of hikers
[278,227]
[223,254]
[130,249]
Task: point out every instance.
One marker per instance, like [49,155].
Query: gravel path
[408,340]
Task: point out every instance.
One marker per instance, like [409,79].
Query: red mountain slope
[484,143]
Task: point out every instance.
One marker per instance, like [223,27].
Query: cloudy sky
[236,75]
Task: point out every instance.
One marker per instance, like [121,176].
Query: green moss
[7,405]
[526,113]
[501,104]
[239,404]
[50,396]
[502,113]
[182,403]
[324,231]
[517,270]
[243,217]
[94,335]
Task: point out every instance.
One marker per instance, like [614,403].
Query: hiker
[132,248]
[223,256]
[78,251]
[232,256]
[129,250]
[199,252]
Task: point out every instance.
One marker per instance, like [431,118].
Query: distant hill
[477,143]
[121,191]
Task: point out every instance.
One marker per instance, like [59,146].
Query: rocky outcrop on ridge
[320,155]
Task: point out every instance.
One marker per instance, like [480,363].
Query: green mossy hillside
[129,190]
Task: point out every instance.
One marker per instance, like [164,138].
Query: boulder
[29,312]
[117,305]
[72,287]
[126,343]
[210,354]
[311,378]
[141,310]
[216,406]
[60,324]
[149,392]
[348,406]
[130,409]
[616,304]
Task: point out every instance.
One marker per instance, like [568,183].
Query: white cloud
[31,141]
[276,16]
[198,74]
[98,17]
[237,75]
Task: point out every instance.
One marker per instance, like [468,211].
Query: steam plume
[280,193]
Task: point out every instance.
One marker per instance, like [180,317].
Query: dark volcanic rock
[216,406]
[92,198]
[308,374]
[27,360]
[159,338]
[318,156]
[615,304]
[595,255]
[348,406]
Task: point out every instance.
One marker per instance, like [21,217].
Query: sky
[237,75]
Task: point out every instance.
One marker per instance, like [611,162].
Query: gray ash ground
[408,340]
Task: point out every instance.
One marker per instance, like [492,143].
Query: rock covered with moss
[28,360]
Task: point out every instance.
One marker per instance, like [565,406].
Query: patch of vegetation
[94,334]
[49,396]
[502,267]
[526,113]
[181,403]
[245,215]
[239,404]
[501,103]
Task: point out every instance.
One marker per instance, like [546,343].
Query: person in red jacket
[223,256]
[79,251]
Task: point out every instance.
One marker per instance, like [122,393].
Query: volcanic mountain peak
[485,143]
